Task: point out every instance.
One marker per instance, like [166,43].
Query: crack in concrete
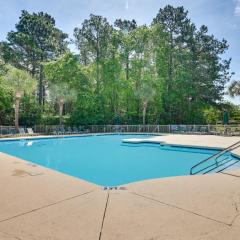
[182,209]
[104,215]
[45,206]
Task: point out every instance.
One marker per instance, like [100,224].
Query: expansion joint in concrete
[182,209]
[45,206]
[104,215]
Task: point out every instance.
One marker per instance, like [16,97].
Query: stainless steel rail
[217,164]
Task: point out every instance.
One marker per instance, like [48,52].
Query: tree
[212,115]
[126,27]
[66,70]
[234,89]
[35,41]
[93,36]
[146,93]
[30,111]
[144,68]
[61,93]
[20,82]
[173,21]
[2,67]
[193,65]
[5,104]
[170,72]
[5,97]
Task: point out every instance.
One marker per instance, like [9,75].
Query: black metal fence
[225,130]
[229,130]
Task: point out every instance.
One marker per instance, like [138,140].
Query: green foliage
[2,68]
[233,111]
[212,115]
[6,105]
[167,73]
[35,40]
[66,69]
[19,81]
[234,89]
[50,119]
[30,111]
[67,80]
[61,91]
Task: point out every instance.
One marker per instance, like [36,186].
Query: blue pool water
[105,160]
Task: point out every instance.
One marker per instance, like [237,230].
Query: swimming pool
[105,160]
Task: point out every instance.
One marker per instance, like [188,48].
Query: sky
[221,16]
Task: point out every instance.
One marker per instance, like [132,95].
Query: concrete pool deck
[39,203]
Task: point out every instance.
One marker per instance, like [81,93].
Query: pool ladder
[218,164]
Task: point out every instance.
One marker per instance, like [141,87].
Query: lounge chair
[21,132]
[55,130]
[182,128]
[81,129]
[61,130]
[174,129]
[203,129]
[69,130]
[86,131]
[75,130]
[30,131]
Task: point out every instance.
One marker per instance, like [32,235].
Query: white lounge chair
[21,132]
[30,131]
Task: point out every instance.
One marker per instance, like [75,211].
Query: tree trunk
[17,101]
[97,62]
[144,111]
[170,78]
[40,87]
[127,78]
[61,103]
[127,67]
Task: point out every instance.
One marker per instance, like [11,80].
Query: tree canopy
[35,41]
[170,72]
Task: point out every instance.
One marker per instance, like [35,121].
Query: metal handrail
[216,156]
